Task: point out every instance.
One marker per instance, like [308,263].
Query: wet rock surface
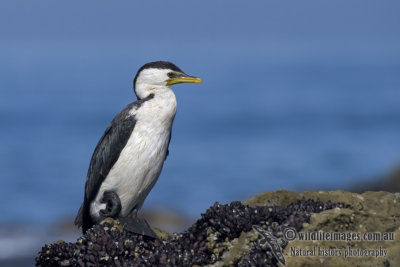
[224,235]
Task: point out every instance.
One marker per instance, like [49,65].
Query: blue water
[250,127]
[296,95]
[299,96]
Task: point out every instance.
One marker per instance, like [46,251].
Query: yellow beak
[183,79]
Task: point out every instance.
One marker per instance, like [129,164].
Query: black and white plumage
[128,159]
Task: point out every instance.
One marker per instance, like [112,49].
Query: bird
[130,155]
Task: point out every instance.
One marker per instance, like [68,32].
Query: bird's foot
[138,226]
[113,205]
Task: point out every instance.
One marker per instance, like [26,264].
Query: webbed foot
[138,226]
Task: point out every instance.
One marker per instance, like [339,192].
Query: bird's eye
[170,74]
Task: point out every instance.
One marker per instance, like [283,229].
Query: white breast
[140,162]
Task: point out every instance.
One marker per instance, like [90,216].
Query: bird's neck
[143,90]
[163,103]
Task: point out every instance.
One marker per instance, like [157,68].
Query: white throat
[161,106]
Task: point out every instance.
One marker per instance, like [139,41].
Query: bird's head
[158,75]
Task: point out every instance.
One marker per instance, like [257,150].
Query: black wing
[104,157]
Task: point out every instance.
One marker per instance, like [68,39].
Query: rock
[377,212]
[244,233]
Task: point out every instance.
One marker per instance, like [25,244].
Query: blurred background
[300,95]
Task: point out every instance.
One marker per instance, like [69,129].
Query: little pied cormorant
[128,159]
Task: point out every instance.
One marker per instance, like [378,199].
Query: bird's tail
[83,219]
[79,217]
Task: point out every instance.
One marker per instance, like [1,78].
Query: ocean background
[298,96]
